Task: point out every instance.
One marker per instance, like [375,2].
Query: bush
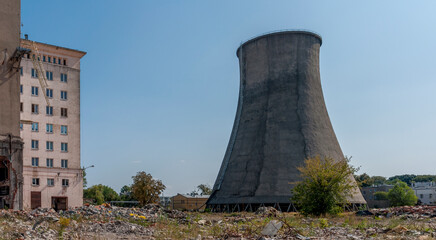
[326,184]
[100,194]
[402,195]
[381,195]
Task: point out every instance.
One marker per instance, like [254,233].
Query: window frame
[49,162]
[35,161]
[35,181]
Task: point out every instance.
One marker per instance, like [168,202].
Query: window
[49,59]
[35,127]
[49,110]
[34,91]
[49,162]
[430,195]
[34,73]
[35,162]
[59,61]
[64,147]
[21,88]
[65,182]
[35,181]
[64,112]
[49,93]
[64,163]
[35,108]
[49,146]
[63,77]
[49,128]
[64,130]
[49,75]
[421,195]
[43,58]
[21,71]
[63,95]
[21,107]
[35,144]
[54,60]
[50,182]
[65,62]
[21,126]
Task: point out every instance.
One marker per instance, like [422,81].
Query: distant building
[165,201]
[52,175]
[371,200]
[425,191]
[188,202]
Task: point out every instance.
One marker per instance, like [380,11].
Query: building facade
[52,174]
[188,202]
[425,191]
[371,199]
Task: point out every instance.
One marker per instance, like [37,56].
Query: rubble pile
[85,221]
[414,212]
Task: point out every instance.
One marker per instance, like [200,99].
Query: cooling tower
[280,121]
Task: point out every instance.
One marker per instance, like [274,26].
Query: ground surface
[152,222]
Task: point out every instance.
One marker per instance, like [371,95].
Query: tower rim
[280,32]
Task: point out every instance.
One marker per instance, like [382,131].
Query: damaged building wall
[10,141]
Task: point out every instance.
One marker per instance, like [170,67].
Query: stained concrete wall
[281,120]
[9,84]
[10,141]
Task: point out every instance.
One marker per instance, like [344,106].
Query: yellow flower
[143,217]
[131,214]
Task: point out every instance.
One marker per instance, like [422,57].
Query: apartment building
[52,175]
[425,191]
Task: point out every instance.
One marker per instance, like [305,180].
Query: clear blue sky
[160,81]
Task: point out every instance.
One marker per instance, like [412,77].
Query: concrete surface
[280,121]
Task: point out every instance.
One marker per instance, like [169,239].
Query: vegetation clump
[145,189]
[402,195]
[324,187]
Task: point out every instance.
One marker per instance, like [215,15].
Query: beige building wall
[69,65]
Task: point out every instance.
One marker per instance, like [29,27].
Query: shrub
[325,184]
[402,195]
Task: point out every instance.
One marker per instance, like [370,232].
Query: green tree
[407,178]
[325,185]
[100,194]
[126,193]
[378,180]
[363,180]
[381,195]
[145,189]
[204,189]
[402,195]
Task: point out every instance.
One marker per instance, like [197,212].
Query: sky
[160,80]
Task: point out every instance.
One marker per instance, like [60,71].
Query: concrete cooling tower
[280,121]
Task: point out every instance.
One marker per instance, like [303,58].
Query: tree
[145,189]
[100,194]
[402,195]
[378,180]
[363,180]
[126,193]
[407,178]
[326,184]
[205,189]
